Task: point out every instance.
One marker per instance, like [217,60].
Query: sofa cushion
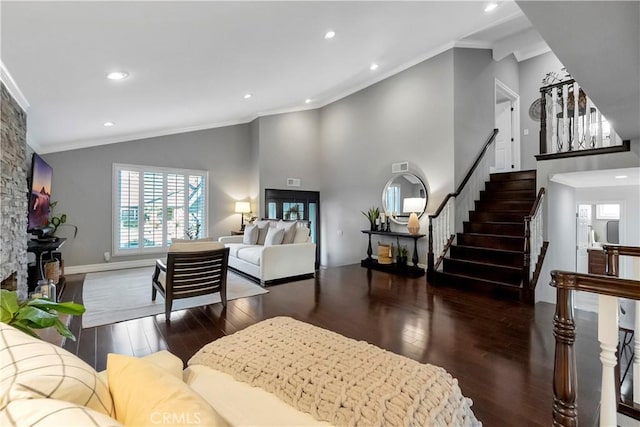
[302,235]
[145,395]
[274,236]
[250,254]
[52,413]
[250,236]
[235,247]
[34,369]
[289,231]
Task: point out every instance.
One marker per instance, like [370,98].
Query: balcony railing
[570,128]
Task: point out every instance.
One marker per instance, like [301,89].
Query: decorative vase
[413,226]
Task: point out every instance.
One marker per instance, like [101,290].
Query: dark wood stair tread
[493,235]
[475,279]
[487,264]
[490,249]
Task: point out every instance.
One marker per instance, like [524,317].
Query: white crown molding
[13,88]
[108,266]
[523,56]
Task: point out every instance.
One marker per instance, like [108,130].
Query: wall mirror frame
[402,186]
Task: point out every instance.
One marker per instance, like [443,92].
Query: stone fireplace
[13,192]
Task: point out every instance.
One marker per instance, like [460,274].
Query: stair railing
[455,207]
[533,241]
[565,128]
[565,381]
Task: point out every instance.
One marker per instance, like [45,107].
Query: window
[608,211]
[153,206]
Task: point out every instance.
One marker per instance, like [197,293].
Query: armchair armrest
[230,239]
[160,266]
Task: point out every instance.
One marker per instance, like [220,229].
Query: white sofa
[273,263]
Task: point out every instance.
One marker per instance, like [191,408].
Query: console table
[408,270]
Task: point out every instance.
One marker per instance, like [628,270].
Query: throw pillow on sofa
[289,231]
[274,236]
[250,236]
[263,228]
[34,369]
[302,235]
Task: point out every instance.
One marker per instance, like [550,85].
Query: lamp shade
[243,207]
[413,204]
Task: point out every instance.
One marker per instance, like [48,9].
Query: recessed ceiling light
[117,75]
[330,34]
[373,67]
[108,124]
[307,101]
[247,95]
[621,176]
[491,6]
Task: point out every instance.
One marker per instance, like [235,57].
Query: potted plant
[401,258]
[372,215]
[39,313]
[57,221]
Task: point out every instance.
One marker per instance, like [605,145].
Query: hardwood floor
[501,352]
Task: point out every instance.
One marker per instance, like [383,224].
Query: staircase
[489,254]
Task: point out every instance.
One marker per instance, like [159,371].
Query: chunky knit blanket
[337,379]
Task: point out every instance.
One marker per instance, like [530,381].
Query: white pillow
[195,246]
[52,413]
[250,236]
[289,231]
[35,369]
[302,235]
[274,236]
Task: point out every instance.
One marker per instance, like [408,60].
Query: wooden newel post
[565,380]
[430,257]
[543,122]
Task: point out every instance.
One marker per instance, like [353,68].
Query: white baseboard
[107,266]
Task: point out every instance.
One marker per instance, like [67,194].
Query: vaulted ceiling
[190,64]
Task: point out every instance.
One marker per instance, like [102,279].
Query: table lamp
[242,208]
[413,205]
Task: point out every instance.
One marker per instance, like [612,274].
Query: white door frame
[503,91]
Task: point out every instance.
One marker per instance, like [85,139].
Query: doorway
[295,205]
[507,143]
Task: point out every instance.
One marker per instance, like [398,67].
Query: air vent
[293,182]
[400,167]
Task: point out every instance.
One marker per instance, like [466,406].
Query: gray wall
[289,147]
[82,182]
[531,73]
[507,71]
[407,117]
[474,109]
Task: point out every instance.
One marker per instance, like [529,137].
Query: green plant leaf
[72,308]
[8,305]
[63,330]
[63,218]
[55,221]
[36,318]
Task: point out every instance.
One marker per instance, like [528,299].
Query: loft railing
[535,247]
[567,129]
[609,288]
[455,206]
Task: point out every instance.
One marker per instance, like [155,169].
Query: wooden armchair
[192,269]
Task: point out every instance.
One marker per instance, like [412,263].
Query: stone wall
[13,191]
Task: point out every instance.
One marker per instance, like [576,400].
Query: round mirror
[403,194]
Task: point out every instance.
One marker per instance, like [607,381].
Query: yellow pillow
[144,395]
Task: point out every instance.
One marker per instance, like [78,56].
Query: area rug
[116,296]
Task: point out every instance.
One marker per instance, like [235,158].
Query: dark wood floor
[501,352]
